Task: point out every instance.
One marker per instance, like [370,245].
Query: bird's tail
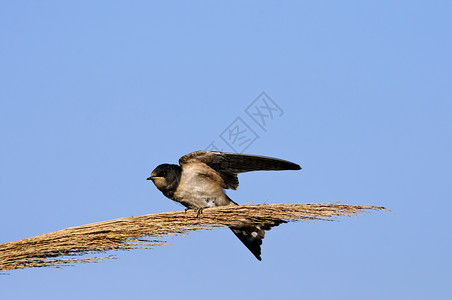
[252,234]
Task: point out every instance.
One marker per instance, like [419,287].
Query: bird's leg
[199,211]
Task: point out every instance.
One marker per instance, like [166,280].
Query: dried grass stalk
[151,230]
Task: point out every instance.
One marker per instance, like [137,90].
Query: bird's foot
[199,211]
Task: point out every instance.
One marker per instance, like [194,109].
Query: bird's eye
[162,174]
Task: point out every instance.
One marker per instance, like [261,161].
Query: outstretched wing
[228,165]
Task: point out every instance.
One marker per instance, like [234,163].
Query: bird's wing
[228,165]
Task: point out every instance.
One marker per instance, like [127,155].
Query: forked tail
[252,235]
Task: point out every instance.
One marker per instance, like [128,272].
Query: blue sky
[94,95]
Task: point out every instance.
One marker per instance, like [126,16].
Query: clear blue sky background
[95,94]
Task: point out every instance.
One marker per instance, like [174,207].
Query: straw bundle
[60,247]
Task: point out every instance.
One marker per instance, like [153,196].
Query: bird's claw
[199,211]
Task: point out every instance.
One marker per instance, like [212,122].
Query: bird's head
[166,177]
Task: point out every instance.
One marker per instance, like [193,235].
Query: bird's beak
[150,178]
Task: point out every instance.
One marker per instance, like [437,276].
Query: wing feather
[228,165]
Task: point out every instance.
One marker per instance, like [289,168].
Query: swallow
[200,180]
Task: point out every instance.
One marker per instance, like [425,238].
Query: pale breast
[199,187]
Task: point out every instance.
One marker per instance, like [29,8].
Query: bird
[200,180]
